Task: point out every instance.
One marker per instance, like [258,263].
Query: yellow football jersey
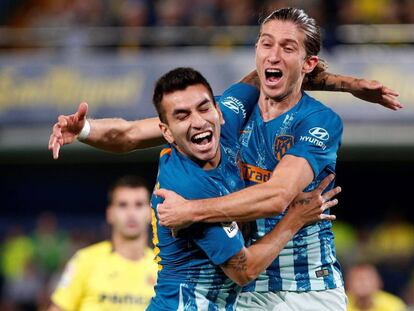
[382,301]
[97,278]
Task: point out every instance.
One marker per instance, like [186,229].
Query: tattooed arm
[320,80]
[251,261]
[368,90]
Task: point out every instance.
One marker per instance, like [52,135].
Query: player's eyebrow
[292,41]
[180,110]
[185,110]
[203,102]
[265,34]
[285,40]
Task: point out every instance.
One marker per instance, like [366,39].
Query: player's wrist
[85,131]
[294,219]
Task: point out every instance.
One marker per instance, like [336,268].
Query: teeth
[273,70]
[202,135]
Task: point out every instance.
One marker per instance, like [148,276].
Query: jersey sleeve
[70,288]
[219,241]
[237,104]
[317,139]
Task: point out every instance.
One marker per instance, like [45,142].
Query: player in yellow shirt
[118,274]
[364,291]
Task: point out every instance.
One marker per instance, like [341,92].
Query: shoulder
[165,155]
[165,152]
[390,301]
[149,254]
[313,108]
[94,251]
[176,172]
[148,259]
[241,91]
[312,105]
[167,166]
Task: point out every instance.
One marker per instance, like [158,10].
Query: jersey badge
[282,145]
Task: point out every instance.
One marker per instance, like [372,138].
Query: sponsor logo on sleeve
[234,105]
[230,228]
[319,133]
[317,138]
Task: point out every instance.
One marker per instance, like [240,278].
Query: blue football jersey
[312,131]
[189,275]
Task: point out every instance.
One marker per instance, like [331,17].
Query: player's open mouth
[273,75]
[202,138]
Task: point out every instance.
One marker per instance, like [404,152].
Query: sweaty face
[280,59]
[193,124]
[129,214]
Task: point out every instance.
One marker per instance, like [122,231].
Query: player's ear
[310,63]
[165,130]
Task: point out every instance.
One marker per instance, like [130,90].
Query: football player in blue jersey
[194,265]
[201,162]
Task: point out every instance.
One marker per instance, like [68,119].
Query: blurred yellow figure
[117,275]
[364,291]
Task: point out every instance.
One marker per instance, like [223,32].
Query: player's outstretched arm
[251,261]
[115,135]
[369,90]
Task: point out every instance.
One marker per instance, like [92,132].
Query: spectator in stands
[391,246]
[50,244]
[16,251]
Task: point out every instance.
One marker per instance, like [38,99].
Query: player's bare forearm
[118,135]
[325,81]
[268,199]
[368,90]
[255,202]
[250,262]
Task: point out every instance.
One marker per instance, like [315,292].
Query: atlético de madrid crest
[282,144]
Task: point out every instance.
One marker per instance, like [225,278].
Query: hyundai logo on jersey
[319,133]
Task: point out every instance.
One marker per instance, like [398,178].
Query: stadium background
[55,53]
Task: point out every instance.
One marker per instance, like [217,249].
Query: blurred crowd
[52,13]
[31,262]
[381,256]
[126,15]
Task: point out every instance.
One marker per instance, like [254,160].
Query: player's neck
[132,249]
[213,163]
[364,303]
[271,108]
[210,164]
